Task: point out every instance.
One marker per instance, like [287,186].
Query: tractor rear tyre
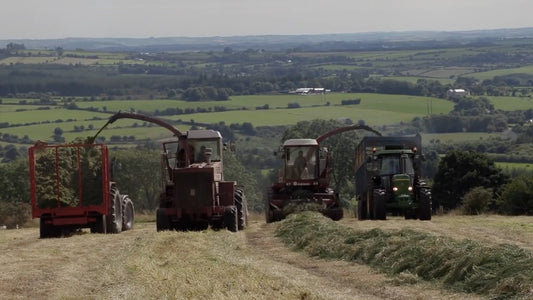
[231,218]
[114,220]
[242,208]
[162,220]
[128,213]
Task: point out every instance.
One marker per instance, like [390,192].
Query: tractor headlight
[395,189]
[410,189]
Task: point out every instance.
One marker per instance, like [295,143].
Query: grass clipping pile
[499,271]
[59,172]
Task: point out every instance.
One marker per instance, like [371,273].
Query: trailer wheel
[231,218]
[128,213]
[114,220]
[242,208]
[47,230]
[379,206]
[162,221]
[425,205]
[100,225]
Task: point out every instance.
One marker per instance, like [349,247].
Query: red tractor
[71,188]
[194,193]
[303,180]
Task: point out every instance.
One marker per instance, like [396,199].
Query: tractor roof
[300,142]
[203,134]
[394,152]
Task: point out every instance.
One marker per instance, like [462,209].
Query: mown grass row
[501,271]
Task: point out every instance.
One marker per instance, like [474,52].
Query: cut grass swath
[500,271]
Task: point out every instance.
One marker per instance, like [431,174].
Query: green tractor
[388,179]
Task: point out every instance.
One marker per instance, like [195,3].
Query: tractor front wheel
[162,220]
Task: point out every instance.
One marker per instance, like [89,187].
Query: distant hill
[322,42]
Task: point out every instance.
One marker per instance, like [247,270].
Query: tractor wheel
[114,220]
[128,213]
[242,208]
[100,226]
[231,218]
[379,207]
[424,213]
[162,221]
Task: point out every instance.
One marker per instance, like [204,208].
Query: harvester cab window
[171,150]
[300,162]
[203,147]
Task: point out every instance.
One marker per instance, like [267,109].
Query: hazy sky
[41,19]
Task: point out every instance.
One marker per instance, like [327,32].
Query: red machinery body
[304,178]
[71,188]
[194,194]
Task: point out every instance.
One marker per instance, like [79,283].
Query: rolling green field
[511,103]
[374,110]
[501,72]
[457,137]
[517,166]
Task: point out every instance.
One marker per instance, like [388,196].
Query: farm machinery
[388,179]
[303,179]
[194,193]
[72,188]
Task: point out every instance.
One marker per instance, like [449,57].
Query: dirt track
[95,266]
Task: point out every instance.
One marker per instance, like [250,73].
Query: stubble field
[251,264]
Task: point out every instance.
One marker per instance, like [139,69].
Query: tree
[459,171]
[59,51]
[517,196]
[137,173]
[234,170]
[58,138]
[15,196]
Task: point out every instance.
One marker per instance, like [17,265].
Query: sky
[45,19]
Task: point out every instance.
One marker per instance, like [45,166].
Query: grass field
[374,109]
[507,166]
[511,103]
[456,137]
[501,72]
[250,264]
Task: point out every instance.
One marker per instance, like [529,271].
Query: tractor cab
[396,174]
[197,146]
